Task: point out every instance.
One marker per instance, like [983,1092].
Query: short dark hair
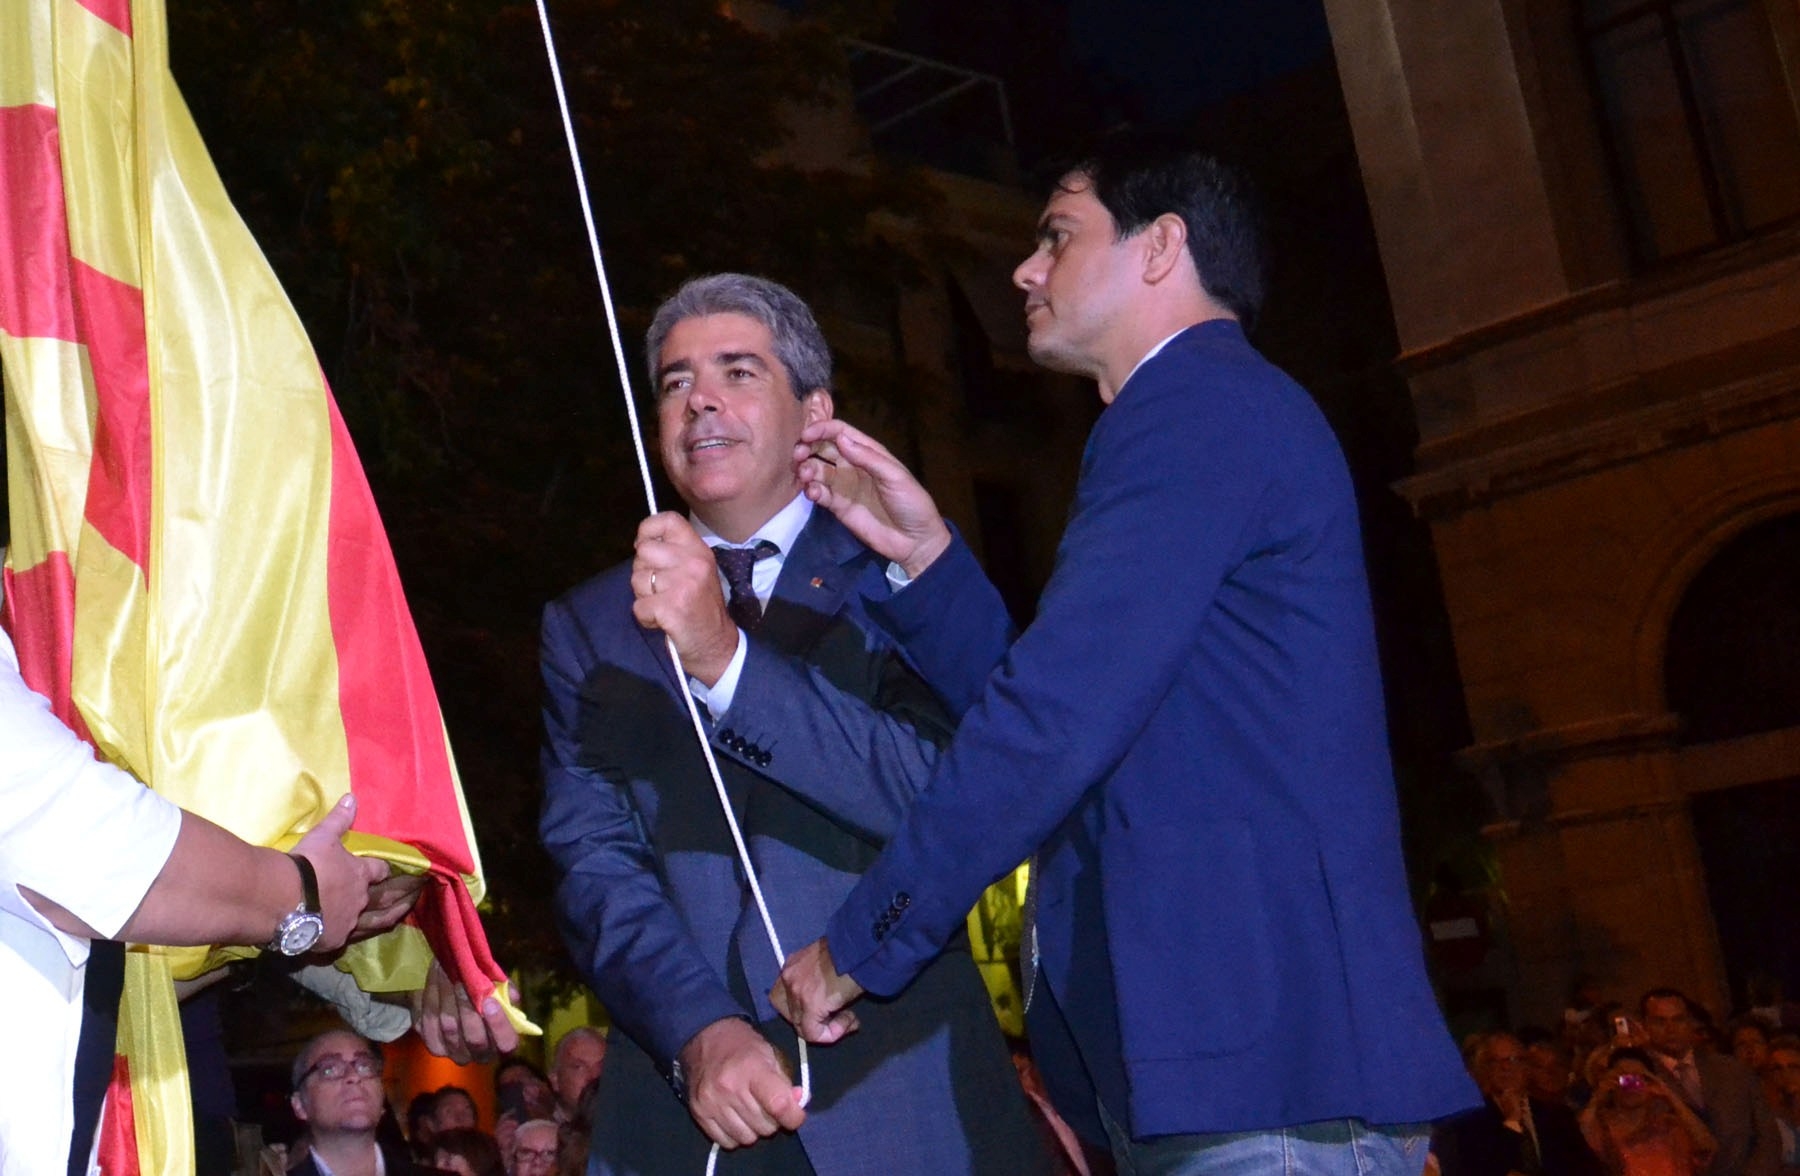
[794,333]
[1687,1005]
[447,1091]
[1139,176]
[1630,1053]
[477,1147]
[419,1108]
[516,1063]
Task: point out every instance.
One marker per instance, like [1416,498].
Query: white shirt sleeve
[717,697]
[79,831]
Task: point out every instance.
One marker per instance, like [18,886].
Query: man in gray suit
[1721,1089]
[823,736]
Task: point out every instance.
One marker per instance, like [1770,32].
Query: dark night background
[403,168]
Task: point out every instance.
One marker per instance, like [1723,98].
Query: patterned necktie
[736,563]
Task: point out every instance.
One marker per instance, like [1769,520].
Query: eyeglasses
[336,1069]
[536,1153]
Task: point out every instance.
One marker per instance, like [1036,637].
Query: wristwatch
[301,927]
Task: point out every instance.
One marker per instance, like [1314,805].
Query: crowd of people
[348,1128]
[1659,1088]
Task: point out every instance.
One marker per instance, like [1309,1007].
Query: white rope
[637,440]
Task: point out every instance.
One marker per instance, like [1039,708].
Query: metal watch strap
[309,885]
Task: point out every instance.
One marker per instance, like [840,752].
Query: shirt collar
[783,530]
[325,1169]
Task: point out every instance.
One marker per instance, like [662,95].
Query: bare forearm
[215,888]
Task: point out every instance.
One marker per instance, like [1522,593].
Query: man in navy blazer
[823,736]
[1190,737]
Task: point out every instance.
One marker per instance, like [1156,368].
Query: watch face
[299,930]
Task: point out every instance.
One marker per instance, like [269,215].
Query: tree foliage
[403,166]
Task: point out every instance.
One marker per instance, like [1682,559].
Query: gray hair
[799,345]
[579,1033]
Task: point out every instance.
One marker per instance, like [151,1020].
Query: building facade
[1589,217]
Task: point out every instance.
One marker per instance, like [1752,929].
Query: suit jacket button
[902,901]
[879,930]
[763,758]
[726,735]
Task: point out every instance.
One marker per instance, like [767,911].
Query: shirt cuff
[897,577]
[717,697]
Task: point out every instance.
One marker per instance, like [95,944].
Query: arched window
[1733,661]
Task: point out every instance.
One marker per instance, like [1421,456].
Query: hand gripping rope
[637,439]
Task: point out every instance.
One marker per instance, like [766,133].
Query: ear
[818,406]
[299,1107]
[1165,247]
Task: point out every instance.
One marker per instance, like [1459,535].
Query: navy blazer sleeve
[952,624]
[1173,483]
[800,729]
[626,937]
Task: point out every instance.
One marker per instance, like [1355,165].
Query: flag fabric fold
[199,579]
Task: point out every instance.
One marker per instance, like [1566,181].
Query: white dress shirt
[783,531]
[91,838]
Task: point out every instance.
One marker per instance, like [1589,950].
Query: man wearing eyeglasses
[338,1095]
[535,1153]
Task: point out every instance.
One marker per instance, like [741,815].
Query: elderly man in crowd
[579,1057]
[534,1149]
[1511,1131]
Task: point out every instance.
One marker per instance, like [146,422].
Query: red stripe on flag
[111,318]
[447,916]
[399,766]
[116,13]
[118,1154]
[45,595]
[35,302]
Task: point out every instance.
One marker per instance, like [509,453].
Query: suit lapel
[814,581]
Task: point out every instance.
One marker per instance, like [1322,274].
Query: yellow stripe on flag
[22,83]
[99,140]
[50,441]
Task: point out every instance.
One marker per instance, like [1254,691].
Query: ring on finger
[653,582]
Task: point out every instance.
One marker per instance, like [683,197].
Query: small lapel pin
[818,582]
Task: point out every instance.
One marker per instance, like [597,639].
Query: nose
[1030,272]
[702,397]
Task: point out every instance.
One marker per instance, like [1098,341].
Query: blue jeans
[1336,1147]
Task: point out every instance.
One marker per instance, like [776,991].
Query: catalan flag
[198,578]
